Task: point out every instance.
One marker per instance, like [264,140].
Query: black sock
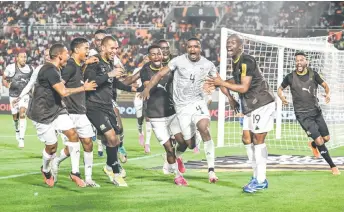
[112,159]
[313,144]
[210,169]
[324,153]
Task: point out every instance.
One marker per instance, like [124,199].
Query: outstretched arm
[154,81]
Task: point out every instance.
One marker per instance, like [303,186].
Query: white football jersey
[32,81]
[189,78]
[11,70]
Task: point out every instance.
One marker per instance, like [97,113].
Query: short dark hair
[300,53]
[193,38]
[153,46]
[163,41]
[237,37]
[100,31]
[106,39]
[76,43]
[55,50]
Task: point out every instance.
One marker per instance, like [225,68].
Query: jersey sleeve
[68,72]
[286,81]
[172,65]
[213,70]
[144,76]
[8,70]
[91,75]
[31,83]
[52,76]
[248,67]
[318,78]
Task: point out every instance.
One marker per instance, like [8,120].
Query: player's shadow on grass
[221,182]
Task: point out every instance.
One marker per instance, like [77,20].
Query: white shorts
[190,115]
[165,128]
[82,125]
[23,102]
[138,104]
[260,120]
[48,133]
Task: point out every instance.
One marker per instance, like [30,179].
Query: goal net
[275,57]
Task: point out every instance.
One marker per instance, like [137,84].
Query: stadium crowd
[256,16]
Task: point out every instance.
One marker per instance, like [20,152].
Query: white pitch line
[96,164]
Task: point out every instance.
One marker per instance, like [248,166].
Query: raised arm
[154,81]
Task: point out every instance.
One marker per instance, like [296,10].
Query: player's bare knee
[326,138]
[51,149]
[71,135]
[319,141]
[191,143]
[87,144]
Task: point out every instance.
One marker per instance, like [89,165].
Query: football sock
[324,153]
[22,128]
[74,151]
[209,151]
[112,159]
[148,132]
[251,157]
[261,154]
[88,162]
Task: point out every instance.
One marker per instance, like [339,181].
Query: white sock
[74,151]
[261,153]
[46,161]
[62,156]
[100,146]
[148,132]
[88,161]
[209,151]
[251,157]
[174,168]
[22,128]
[15,122]
[109,168]
[198,139]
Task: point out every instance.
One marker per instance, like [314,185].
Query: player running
[303,83]
[16,76]
[258,106]
[76,107]
[49,115]
[190,71]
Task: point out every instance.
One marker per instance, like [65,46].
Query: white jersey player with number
[190,72]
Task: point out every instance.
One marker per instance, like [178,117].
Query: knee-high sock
[62,156]
[74,151]
[22,128]
[261,153]
[100,146]
[148,132]
[251,157]
[112,159]
[46,160]
[88,162]
[324,153]
[209,150]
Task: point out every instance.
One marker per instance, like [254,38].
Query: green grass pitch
[22,188]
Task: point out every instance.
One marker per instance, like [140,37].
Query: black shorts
[102,120]
[313,124]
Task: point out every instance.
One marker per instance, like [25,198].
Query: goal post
[275,57]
